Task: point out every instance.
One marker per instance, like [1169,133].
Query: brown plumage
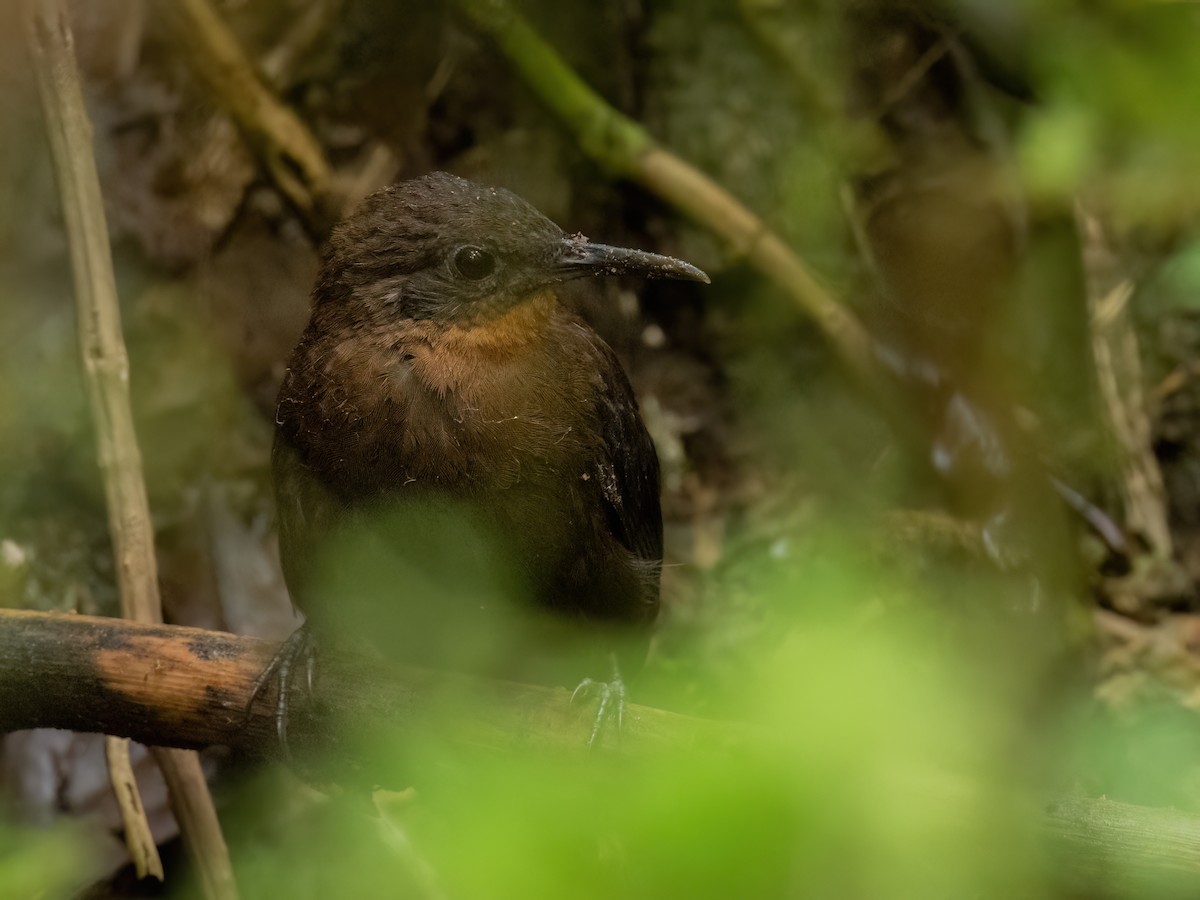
[471,442]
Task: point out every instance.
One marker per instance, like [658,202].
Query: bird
[461,473]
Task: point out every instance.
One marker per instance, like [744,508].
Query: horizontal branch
[185,687]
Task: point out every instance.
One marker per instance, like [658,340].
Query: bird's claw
[612,703]
[299,646]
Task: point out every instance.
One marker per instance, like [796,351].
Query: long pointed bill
[580,259]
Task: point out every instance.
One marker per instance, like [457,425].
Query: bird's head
[445,249]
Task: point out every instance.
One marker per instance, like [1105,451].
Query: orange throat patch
[454,358]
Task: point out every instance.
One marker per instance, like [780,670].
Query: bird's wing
[308,513]
[627,466]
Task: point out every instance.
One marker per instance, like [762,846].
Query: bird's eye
[474,263]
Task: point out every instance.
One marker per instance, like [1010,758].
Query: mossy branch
[622,147]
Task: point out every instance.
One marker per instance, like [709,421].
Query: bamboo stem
[106,373]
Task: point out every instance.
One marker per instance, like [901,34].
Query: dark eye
[474,263]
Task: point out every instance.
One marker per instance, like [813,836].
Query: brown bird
[461,473]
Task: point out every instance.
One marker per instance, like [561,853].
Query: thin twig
[289,151]
[309,28]
[1119,374]
[912,77]
[138,836]
[106,373]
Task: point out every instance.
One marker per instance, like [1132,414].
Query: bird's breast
[482,408]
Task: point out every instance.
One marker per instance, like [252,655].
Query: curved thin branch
[622,146]
[291,154]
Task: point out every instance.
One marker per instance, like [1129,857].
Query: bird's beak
[578,258]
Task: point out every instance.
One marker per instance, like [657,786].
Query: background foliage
[933,651]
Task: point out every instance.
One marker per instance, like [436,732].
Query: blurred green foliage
[1115,83]
[893,763]
[45,863]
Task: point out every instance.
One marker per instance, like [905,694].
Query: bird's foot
[299,651]
[612,702]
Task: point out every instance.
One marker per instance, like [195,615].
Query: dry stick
[1119,373]
[106,372]
[104,361]
[291,155]
[139,838]
[184,686]
[311,26]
